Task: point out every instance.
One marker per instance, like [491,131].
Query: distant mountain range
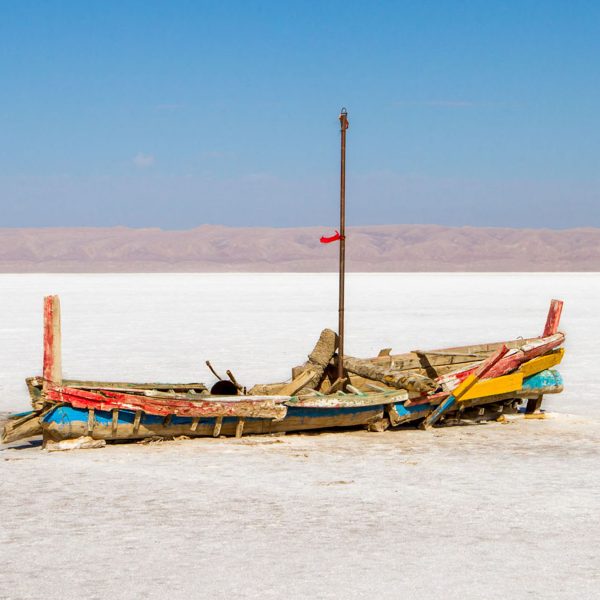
[370,248]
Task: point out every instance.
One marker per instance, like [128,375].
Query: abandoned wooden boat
[426,388]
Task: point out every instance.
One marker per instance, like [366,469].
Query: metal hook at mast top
[343,119]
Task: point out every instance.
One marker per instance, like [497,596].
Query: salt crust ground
[491,511]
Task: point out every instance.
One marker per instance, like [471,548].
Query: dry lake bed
[499,510]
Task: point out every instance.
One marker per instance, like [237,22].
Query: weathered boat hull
[64,422]
[460,381]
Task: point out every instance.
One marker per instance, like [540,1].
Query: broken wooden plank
[338,385]
[411,382]
[378,425]
[265,389]
[348,400]
[298,383]
[541,363]
[495,386]
[24,427]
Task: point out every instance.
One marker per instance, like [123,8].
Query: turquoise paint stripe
[67,414]
[547,378]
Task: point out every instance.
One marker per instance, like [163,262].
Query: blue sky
[174,114]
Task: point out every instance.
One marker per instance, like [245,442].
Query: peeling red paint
[260,407]
[553,319]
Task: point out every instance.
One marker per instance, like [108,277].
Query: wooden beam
[409,381]
[534,405]
[118,386]
[553,319]
[239,429]
[90,421]
[137,420]
[52,368]
[115,420]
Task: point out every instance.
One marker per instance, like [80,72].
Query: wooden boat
[426,388]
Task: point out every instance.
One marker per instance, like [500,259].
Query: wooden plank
[265,389]
[318,361]
[321,355]
[118,386]
[218,425]
[541,363]
[553,319]
[52,368]
[470,355]
[492,387]
[338,385]
[298,383]
[115,420]
[441,357]
[349,400]
[194,424]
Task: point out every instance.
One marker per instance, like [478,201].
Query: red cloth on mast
[333,238]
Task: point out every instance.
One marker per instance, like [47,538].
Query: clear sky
[177,113]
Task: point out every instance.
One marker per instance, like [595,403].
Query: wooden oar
[460,390]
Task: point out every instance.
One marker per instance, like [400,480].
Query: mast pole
[342,267]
